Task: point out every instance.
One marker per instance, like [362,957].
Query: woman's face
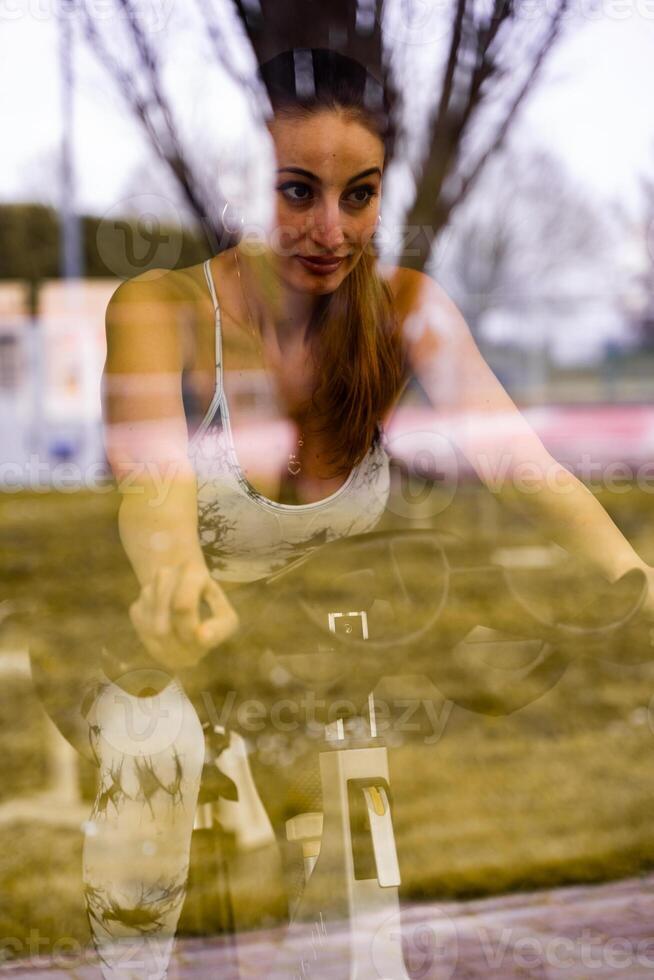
[328,185]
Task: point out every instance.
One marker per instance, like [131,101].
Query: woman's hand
[166,615]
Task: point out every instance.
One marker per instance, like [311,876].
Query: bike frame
[352,874]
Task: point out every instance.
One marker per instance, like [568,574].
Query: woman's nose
[327,228]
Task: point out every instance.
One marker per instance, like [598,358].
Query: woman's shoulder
[162,285]
[410,289]
[144,314]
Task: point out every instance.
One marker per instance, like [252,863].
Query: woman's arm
[478,415]
[146,443]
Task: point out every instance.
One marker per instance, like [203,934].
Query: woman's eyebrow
[307,173]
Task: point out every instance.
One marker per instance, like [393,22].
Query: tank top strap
[212,288]
[218,342]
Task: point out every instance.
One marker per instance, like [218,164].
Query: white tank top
[246,536]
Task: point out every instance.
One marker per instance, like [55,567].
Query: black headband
[297,73]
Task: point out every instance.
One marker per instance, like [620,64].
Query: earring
[231,228]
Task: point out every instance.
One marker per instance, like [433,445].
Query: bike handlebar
[421,604]
[410,592]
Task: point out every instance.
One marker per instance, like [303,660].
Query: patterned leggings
[150,753]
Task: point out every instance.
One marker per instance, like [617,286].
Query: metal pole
[70,238]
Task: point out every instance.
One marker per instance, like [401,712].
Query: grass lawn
[558,791]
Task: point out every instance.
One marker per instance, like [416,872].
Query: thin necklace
[293,465]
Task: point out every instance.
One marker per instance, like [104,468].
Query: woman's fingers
[140,616]
[185,603]
[193,585]
[151,617]
[164,586]
[166,615]
[224,621]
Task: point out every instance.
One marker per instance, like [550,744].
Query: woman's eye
[297,193]
[362,195]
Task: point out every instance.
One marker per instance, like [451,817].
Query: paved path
[599,931]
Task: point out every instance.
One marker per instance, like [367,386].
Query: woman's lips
[320,265]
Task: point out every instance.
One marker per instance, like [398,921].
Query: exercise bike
[334,623]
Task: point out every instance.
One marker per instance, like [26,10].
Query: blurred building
[50,373]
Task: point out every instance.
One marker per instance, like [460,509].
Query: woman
[336,337]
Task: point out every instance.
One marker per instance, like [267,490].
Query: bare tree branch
[222,48]
[448,79]
[433,207]
[153,112]
[469,180]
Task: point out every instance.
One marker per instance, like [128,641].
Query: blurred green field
[559,791]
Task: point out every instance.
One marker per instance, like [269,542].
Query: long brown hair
[356,338]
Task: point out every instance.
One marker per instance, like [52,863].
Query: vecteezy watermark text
[529,476]
[67,952]
[151,15]
[591,950]
[39,475]
[433,474]
[139,723]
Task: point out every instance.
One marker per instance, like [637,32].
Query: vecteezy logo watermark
[140,726]
[428,949]
[139,233]
[419,22]
[429,474]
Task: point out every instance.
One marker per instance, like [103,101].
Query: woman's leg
[150,752]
